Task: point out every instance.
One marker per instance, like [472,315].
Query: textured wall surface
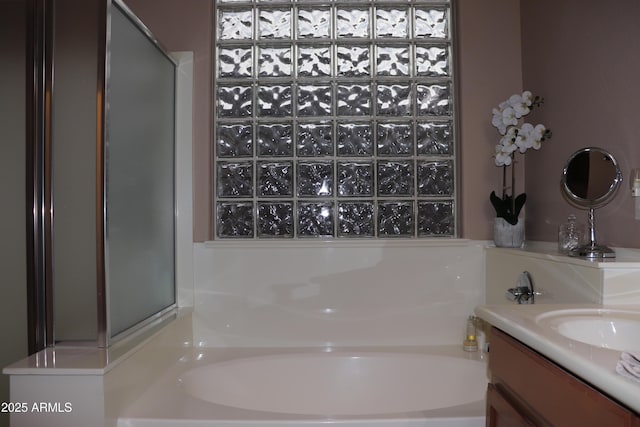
[582,56]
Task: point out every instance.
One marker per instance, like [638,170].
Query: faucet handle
[517,294]
[523,292]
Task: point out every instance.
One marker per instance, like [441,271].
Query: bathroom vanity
[554,362]
[542,375]
[529,389]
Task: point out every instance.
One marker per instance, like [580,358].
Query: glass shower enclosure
[112,157]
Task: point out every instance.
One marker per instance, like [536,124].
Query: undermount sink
[606,328]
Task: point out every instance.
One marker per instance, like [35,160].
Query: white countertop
[594,365]
[88,359]
[625,257]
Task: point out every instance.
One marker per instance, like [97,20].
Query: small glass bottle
[570,235]
[470,341]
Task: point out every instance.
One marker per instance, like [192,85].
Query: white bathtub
[426,386]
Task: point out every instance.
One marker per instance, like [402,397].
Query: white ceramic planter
[506,235]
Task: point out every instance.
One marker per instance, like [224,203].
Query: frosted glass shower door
[139,164]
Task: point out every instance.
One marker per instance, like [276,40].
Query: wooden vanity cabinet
[527,389]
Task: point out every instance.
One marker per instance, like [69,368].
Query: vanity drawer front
[551,392]
[501,412]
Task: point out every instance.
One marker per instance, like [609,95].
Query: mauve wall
[13,221]
[489,51]
[185,25]
[583,57]
[489,70]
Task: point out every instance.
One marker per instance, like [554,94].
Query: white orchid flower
[521,143]
[539,132]
[515,100]
[502,158]
[521,109]
[520,105]
[506,147]
[497,122]
[506,117]
[508,141]
[527,137]
[509,117]
[538,135]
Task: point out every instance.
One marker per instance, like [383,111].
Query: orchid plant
[514,139]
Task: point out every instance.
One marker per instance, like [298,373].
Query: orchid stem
[504,181]
[513,185]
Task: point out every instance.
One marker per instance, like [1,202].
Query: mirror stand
[590,180]
[592,249]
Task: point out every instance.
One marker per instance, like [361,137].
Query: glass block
[314,100]
[314,139]
[275,23]
[431,23]
[274,140]
[275,179]
[274,101]
[314,61]
[315,179]
[354,139]
[432,61]
[234,141]
[353,61]
[354,100]
[392,23]
[315,219]
[355,219]
[314,23]
[436,219]
[395,139]
[235,25]
[392,61]
[394,100]
[435,178]
[395,178]
[234,219]
[434,99]
[234,101]
[353,22]
[235,179]
[395,219]
[274,62]
[435,138]
[353,64]
[355,179]
[275,219]
[235,62]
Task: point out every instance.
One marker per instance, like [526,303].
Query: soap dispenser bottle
[571,235]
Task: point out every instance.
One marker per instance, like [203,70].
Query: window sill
[337,243]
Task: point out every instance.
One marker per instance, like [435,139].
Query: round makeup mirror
[590,179]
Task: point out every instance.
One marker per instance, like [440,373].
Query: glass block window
[334,119]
